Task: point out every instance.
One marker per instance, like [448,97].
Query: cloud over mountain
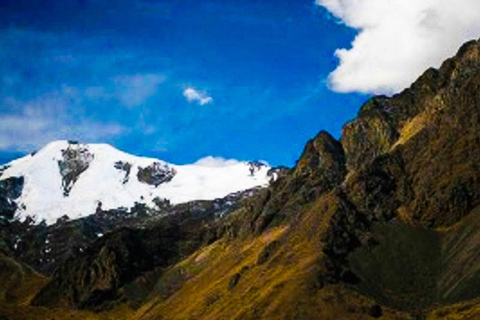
[398,39]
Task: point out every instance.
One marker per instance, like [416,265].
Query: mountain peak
[72,178]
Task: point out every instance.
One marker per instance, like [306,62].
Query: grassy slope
[284,286]
[407,273]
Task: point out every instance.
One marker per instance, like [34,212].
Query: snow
[43,197]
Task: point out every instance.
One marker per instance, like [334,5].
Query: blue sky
[177,80]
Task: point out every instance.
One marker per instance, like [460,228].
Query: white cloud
[398,40]
[192,95]
[134,90]
[25,133]
[46,118]
[216,162]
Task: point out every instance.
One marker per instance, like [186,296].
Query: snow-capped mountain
[68,178]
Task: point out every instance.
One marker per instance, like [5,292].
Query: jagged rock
[76,159]
[124,166]
[369,136]
[2,169]
[10,189]
[323,158]
[320,169]
[155,174]
[279,172]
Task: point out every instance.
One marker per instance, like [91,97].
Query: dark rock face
[279,172]
[323,158]
[369,136]
[76,159]
[124,166]
[10,189]
[155,174]
[2,169]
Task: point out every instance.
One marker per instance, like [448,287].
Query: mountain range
[383,223]
[74,179]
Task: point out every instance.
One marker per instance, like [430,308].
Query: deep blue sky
[116,73]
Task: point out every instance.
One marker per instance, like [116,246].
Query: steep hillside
[391,232]
[382,224]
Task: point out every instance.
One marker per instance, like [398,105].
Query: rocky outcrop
[323,159]
[10,190]
[125,167]
[279,172]
[76,159]
[320,169]
[155,174]
[371,135]
[2,169]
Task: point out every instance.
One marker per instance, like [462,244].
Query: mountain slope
[394,236]
[67,178]
[382,224]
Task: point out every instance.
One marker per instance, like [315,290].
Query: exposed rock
[76,159]
[279,172]
[124,166]
[384,230]
[320,169]
[155,174]
[322,158]
[2,169]
[368,137]
[10,190]
[12,187]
